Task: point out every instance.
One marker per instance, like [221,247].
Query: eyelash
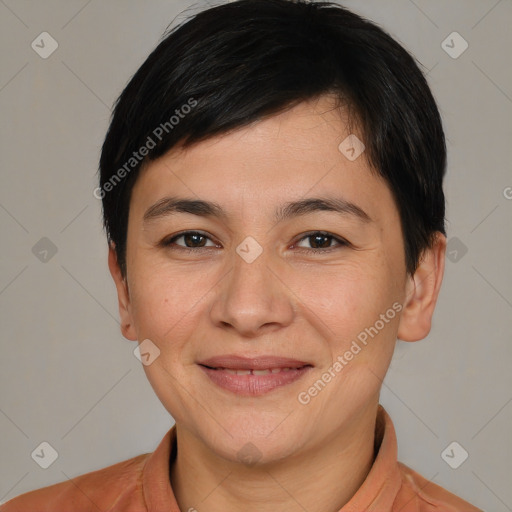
[167,243]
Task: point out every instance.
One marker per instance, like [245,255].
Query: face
[295,253]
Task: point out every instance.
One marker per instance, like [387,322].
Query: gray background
[69,378]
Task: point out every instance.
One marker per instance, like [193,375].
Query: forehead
[291,155]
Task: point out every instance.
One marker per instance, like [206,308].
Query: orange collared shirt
[142,484]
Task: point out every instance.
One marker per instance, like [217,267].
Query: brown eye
[194,240]
[189,240]
[319,240]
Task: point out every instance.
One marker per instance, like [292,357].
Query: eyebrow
[171,205]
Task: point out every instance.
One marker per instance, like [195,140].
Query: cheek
[347,304]
[162,302]
[347,298]
[164,310]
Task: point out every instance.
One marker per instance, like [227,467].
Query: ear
[422,290]
[123,296]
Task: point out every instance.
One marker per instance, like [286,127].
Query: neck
[322,479]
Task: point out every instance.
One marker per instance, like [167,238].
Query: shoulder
[104,489]
[427,496]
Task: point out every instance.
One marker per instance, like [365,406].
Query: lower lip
[254,385]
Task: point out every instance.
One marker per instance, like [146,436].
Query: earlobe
[422,291]
[123,296]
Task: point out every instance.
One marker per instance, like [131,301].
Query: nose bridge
[251,298]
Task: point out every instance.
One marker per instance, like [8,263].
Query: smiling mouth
[253,371]
[251,382]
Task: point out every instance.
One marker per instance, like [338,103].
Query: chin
[254,442]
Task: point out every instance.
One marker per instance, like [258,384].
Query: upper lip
[235,362]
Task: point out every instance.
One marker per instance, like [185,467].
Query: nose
[253,299]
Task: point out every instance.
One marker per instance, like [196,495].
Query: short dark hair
[237,63]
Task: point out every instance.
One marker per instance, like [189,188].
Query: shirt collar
[383,482]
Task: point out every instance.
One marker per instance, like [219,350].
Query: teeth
[256,372]
[237,372]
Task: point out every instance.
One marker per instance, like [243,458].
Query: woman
[272,194]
